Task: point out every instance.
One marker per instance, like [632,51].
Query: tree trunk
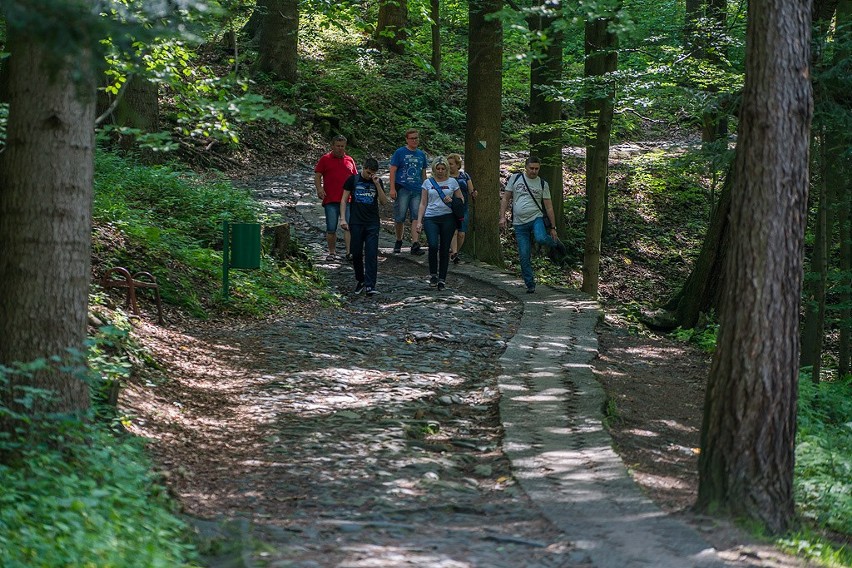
[279,40]
[137,108]
[813,327]
[749,427]
[391,28]
[545,110]
[601,58]
[46,174]
[702,290]
[436,37]
[482,134]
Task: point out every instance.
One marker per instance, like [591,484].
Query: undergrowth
[168,221]
[76,492]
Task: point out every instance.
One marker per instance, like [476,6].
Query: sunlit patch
[643,433]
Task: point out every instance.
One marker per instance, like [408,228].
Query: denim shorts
[332,216]
[407,201]
[466,221]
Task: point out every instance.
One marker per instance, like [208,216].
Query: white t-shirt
[524,209]
[435,206]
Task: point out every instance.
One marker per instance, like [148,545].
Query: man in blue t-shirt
[407,174]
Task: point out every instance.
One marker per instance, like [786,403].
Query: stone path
[550,408]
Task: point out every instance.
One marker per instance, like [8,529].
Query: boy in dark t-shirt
[362,194]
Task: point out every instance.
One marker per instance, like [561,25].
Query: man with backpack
[532,216]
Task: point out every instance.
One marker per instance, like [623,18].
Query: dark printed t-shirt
[363,201]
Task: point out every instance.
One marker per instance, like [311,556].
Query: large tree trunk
[279,40]
[46,176]
[391,28]
[601,58]
[545,110]
[749,427]
[482,135]
[436,37]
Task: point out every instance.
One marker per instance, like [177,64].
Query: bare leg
[460,240]
[331,239]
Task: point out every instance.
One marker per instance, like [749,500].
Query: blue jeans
[332,216]
[364,246]
[439,234]
[523,235]
[407,201]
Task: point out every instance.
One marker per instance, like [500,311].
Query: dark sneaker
[416,250]
[455,258]
[372,292]
[530,289]
[359,287]
[397,247]
[433,281]
[441,285]
[349,256]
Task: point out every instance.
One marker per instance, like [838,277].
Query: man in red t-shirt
[330,172]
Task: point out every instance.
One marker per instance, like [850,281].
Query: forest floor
[208,423]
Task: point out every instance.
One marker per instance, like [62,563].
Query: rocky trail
[414,428]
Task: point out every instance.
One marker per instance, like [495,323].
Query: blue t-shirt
[409,167]
[462,179]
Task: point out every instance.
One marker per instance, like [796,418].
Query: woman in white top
[436,217]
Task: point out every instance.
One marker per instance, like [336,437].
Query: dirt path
[369,434]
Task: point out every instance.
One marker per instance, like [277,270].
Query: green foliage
[168,221]
[75,494]
[703,336]
[823,481]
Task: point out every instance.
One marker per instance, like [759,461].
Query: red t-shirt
[334,172]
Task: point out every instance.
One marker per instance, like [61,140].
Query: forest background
[245,88]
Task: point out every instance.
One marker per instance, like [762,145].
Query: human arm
[380,190]
[344,201]
[504,205]
[393,181]
[471,190]
[318,185]
[424,199]
[548,207]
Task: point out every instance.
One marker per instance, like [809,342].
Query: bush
[76,494]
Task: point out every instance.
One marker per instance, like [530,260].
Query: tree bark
[46,174]
[279,40]
[749,427]
[482,134]
[545,110]
[435,7]
[391,28]
[601,58]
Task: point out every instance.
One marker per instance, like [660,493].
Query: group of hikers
[351,200]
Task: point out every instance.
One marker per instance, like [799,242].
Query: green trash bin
[241,248]
[245,245]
